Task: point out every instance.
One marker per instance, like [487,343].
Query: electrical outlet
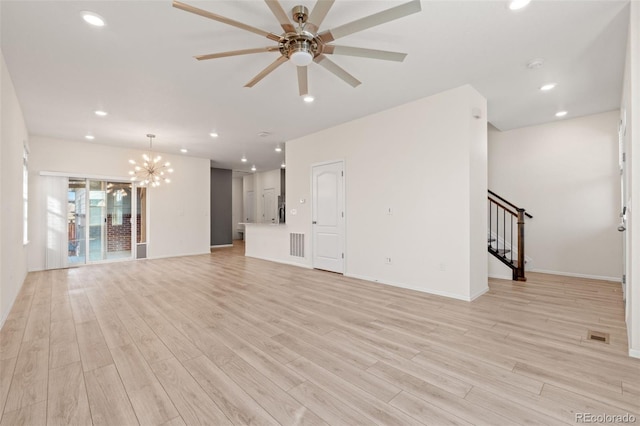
[387,260]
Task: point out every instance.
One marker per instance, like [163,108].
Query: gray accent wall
[221,230]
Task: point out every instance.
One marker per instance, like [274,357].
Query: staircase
[506,234]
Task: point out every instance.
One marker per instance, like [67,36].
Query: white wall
[424,160]
[631,104]
[13,136]
[566,175]
[179,221]
[236,206]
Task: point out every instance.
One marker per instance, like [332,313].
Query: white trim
[302,265]
[479,293]
[571,274]
[501,277]
[175,255]
[634,353]
[85,176]
[222,245]
[409,287]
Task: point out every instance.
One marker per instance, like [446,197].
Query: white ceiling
[140,68]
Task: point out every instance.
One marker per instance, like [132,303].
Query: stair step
[500,252]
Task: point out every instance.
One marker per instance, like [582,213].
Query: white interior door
[328,216]
[269,205]
[249,215]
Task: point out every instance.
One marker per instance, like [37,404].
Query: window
[25,194]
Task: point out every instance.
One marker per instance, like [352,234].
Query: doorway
[269,205]
[249,207]
[328,216]
[99,221]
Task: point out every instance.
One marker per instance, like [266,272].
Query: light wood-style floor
[223,339]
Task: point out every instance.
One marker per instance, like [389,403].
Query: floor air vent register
[598,336]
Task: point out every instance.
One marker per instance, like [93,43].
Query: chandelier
[151,171]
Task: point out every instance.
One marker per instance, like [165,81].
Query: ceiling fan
[303,44]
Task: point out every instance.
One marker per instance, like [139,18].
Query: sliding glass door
[99,221]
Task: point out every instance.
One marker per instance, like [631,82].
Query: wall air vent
[296,245]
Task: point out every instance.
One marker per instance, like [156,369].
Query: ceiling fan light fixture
[301,58]
[300,52]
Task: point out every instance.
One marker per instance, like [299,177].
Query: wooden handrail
[510,204]
[517,265]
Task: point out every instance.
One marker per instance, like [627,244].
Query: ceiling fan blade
[281,15]
[210,15]
[385,55]
[262,74]
[331,66]
[303,87]
[318,14]
[237,53]
[371,21]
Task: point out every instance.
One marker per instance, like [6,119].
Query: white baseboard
[571,274]
[5,315]
[409,287]
[284,262]
[501,277]
[478,294]
[175,255]
[222,245]
[634,353]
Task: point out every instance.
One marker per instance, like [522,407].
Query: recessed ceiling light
[243,159]
[308,99]
[283,165]
[518,4]
[213,134]
[547,87]
[253,168]
[90,137]
[278,148]
[93,19]
[100,113]
[561,113]
[183,150]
